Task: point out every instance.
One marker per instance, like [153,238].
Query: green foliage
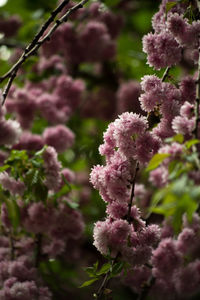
[110,269]
[179,197]
[191,143]
[170,5]
[156,160]
[179,138]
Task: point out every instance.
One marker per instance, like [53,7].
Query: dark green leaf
[13,212]
[117,268]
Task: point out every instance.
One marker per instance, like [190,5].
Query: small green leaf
[13,212]
[40,152]
[63,191]
[117,268]
[73,205]
[90,271]
[190,143]
[156,160]
[4,168]
[169,6]
[95,266]
[104,269]
[179,138]
[89,282]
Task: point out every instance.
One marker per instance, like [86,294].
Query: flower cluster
[164,47]
[163,257]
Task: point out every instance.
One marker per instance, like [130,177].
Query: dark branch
[36,43]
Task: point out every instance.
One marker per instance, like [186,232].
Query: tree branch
[37,41]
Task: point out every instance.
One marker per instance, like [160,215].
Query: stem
[37,41]
[165,74]
[12,247]
[132,194]
[145,289]
[105,281]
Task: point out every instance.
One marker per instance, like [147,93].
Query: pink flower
[166,259]
[162,50]
[59,137]
[52,169]
[15,187]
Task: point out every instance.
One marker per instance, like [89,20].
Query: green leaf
[63,191]
[179,138]
[90,271]
[4,168]
[95,265]
[104,269]
[169,6]
[73,205]
[13,212]
[156,160]
[117,268]
[89,282]
[40,152]
[190,143]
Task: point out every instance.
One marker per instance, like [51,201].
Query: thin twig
[32,48]
[12,246]
[145,290]
[165,74]
[38,247]
[46,24]
[106,280]
[132,194]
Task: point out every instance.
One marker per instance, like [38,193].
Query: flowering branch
[106,279]
[37,41]
[197,119]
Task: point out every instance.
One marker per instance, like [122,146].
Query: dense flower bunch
[163,257]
